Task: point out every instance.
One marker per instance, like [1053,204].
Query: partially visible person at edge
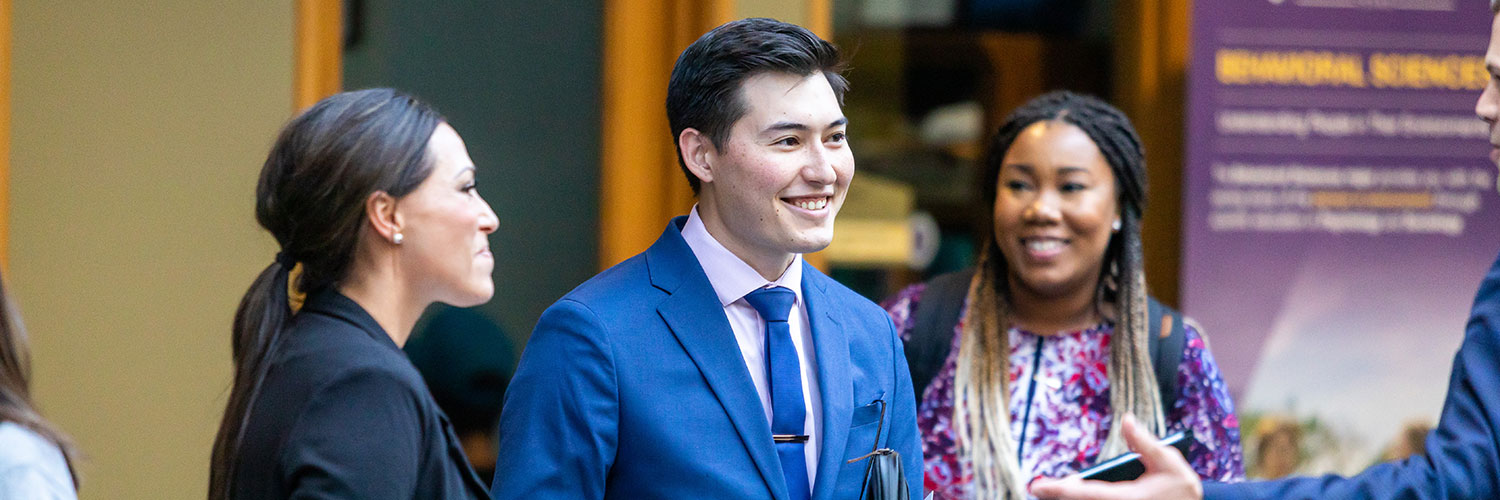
[1058,298]
[36,459]
[467,361]
[1462,457]
[371,195]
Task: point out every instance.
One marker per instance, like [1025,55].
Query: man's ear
[380,210]
[698,153]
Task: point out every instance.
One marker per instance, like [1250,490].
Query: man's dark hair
[704,92]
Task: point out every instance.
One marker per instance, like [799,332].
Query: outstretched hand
[1168,475]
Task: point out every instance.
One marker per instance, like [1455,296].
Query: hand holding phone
[1128,466]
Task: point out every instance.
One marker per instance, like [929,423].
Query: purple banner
[1340,208]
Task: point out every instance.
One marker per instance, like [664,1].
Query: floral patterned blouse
[1063,418]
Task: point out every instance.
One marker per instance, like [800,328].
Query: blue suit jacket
[632,386]
[1463,453]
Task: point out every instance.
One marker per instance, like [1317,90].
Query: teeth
[1043,245]
[817,204]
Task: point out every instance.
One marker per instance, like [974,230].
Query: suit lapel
[831,343]
[694,315]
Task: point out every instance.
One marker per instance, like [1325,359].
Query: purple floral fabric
[1063,418]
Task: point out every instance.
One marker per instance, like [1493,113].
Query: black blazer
[342,413]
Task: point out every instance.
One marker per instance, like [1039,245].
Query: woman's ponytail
[258,325]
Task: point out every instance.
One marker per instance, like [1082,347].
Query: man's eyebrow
[1490,67]
[782,126]
[798,126]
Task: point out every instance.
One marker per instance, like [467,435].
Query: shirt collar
[730,276]
[330,302]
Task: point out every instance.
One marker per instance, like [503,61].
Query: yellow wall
[137,135]
[791,11]
[816,15]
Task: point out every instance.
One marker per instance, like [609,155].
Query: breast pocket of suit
[865,426]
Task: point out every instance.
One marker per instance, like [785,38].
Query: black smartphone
[1128,466]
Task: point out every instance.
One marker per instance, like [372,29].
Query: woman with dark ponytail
[1050,348]
[36,460]
[370,195]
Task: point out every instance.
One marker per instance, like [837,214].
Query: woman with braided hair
[1051,344]
[371,197]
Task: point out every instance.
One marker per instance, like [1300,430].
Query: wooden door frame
[318,52]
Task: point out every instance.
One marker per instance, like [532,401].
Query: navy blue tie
[784,375]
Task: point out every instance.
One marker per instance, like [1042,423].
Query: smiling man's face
[773,189]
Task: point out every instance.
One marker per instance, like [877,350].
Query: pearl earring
[1116,225]
[397,237]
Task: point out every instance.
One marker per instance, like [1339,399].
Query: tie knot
[773,304]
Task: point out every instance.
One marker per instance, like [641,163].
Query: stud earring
[397,238]
[1116,225]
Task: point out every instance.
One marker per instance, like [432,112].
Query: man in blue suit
[717,364]
[1462,456]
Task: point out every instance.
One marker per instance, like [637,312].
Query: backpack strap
[937,314]
[1165,340]
[933,320]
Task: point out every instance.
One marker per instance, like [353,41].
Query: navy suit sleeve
[559,426]
[357,439]
[905,437]
[1462,454]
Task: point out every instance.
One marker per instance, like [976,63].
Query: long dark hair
[311,198]
[981,415]
[15,383]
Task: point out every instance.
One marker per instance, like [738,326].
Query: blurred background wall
[520,83]
[137,132]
